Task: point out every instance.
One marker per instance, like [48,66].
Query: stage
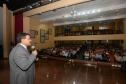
[54,71]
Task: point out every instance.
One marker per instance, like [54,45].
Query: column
[124,44]
[6,32]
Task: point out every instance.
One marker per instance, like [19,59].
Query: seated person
[92,55]
[86,55]
[98,57]
[118,58]
[105,58]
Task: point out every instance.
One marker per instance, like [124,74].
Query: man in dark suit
[22,68]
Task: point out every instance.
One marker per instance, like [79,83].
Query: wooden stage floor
[50,71]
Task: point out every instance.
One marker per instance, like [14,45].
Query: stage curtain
[18,24]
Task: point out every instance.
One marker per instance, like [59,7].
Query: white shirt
[23,45]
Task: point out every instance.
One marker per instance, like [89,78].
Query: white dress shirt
[23,45]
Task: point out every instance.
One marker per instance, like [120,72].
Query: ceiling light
[50,0]
[66,15]
[83,13]
[88,12]
[79,13]
[101,16]
[42,1]
[98,10]
[71,12]
[74,14]
[30,6]
[93,11]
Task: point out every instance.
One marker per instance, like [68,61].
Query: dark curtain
[18,24]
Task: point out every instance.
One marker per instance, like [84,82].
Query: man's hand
[37,59]
[35,52]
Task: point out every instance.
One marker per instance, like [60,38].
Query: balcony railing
[88,32]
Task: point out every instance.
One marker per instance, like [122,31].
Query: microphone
[33,48]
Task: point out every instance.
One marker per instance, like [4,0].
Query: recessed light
[79,14]
[67,15]
[98,10]
[93,11]
[30,6]
[50,0]
[117,10]
[101,16]
[88,12]
[83,13]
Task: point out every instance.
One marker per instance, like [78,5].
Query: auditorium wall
[1,26]
[1,32]
[37,26]
[7,29]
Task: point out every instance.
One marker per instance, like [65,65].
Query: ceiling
[18,4]
[96,10]
[1,2]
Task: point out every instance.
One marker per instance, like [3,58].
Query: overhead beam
[53,6]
